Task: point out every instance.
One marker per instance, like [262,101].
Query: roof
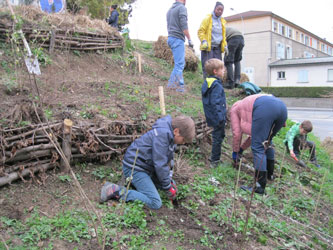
[248,14]
[302,61]
[257,13]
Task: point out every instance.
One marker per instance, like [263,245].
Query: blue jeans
[146,190]
[217,136]
[178,50]
[268,116]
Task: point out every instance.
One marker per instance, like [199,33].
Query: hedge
[310,92]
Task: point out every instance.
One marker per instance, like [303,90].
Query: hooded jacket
[177,20]
[156,148]
[241,121]
[205,32]
[214,101]
[113,19]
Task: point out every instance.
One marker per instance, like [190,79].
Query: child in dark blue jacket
[214,104]
[151,170]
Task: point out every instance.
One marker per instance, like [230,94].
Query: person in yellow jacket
[212,34]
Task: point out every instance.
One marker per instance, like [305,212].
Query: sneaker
[181,89]
[172,85]
[314,162]
[110,191]
[215,164]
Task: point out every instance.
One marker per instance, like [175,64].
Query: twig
[235,188]
[131,177]
[4,242]
[281,166]
[318,198]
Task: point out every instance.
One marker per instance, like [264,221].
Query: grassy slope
[296,213]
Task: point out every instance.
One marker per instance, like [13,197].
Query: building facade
[269,38]
[304,72]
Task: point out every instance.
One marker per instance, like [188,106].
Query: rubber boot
[261,180]
[237,74]
[270,169]
[230,76]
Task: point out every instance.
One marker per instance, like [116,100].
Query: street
[322,120]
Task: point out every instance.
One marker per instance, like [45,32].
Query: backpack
[250,88]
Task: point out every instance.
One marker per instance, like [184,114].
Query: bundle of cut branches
[63,31]
[30,149]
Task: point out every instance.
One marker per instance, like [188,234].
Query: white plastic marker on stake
[30,61]
[161,95]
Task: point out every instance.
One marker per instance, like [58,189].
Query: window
[330,75]
[280,51]
[314,43]
[306,41]
[290,33]
[302,38]
[297,36]
[308,55]
[282,29]
[303,76]
[275,26]
[281,75]
[330,51]
[289,52]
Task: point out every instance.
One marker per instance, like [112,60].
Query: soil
[70,84]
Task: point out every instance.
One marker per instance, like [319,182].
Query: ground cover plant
[47,212]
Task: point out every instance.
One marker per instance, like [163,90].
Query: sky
[148,19]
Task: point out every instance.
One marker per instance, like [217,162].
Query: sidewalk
[311,103]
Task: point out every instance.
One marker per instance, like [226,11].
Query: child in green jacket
[296,140]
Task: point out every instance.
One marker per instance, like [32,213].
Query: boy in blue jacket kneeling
[151,170]
[215,107]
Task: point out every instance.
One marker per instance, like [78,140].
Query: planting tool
[299,162]
[30,61]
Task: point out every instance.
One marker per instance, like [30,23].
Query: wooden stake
[139,63]
[66,144]
[161,95]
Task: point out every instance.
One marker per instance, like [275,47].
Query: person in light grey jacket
[177,31]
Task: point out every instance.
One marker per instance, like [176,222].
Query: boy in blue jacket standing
[151,170]
[214,104]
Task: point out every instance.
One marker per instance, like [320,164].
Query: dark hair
[218,4]
[114,6]
[307,126]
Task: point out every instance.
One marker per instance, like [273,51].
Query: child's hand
[292,154]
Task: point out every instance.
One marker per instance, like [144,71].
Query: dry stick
[139,62]
[130,179]
[283,157]
[77,183]
[235,189]
[322,235]
[254,184]
[4,242]
[321,188]
[286,234]
[162,104]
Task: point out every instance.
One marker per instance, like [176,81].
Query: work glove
[237,155]
[204,45]
[226,51]
[172,191]
[292,154]
[190,44]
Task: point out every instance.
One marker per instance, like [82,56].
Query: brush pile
[62,31]
[32,149]
[162,50]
